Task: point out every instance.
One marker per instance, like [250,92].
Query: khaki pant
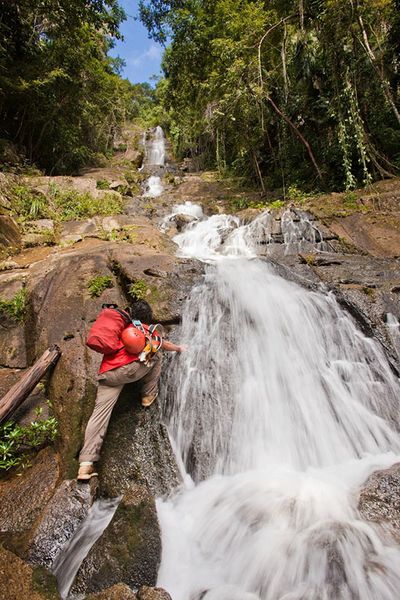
[110,387]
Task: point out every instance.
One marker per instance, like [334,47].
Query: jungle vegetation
[283,92]
[62,100]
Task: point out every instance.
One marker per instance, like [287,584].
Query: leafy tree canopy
[283,91]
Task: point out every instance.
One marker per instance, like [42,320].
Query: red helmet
[133,339]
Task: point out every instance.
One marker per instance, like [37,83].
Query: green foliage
[16,441]
[61,205]
[102,184]
[62,98]
[98,284]
[282,90]
[276,204]
[15,309]
[138,289]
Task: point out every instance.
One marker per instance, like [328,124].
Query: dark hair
[141,310]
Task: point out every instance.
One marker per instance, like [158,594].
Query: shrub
[138,289]
[61,205]
[97,285]
[15,308]
[102,184]
[17,441]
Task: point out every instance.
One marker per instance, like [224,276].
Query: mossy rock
[129,550]
[20,581]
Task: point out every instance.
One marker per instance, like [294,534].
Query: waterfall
[279,410]
[155,149]
[154,160]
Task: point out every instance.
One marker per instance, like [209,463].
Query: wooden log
[21,390]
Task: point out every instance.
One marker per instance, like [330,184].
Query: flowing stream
[279,411]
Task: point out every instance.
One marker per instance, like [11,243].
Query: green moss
[45,583]
[310,259]
[15,308]
[368,291]
[98,284]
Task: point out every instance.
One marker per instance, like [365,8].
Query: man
[116,371]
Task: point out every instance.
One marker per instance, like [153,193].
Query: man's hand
[182,348]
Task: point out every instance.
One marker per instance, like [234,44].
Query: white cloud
[153,53]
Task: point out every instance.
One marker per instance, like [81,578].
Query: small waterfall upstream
[279,411]
[154,159]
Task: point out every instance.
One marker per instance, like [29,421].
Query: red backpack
[105,333]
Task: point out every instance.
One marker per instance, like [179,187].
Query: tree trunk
[21,390]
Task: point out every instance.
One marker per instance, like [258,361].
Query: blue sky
[141,55]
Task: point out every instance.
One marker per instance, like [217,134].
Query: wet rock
[379,499]
[181,221]
[20,581]
[9,232]
[128,551]
[19,506]
[137,433]
[148,593]
[120,591]
[60,520]
[248,215]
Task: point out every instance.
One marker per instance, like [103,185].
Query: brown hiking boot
[148,400]
[86,472]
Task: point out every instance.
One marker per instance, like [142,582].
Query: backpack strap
[123,313]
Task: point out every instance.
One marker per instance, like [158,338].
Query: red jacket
[118,359]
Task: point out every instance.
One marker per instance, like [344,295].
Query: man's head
[141,311]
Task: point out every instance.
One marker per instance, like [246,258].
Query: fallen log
[29,380]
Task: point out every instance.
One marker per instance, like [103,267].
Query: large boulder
[379,500]
[137,448]
[20,581]
[120,591]
[60,520]
[129,550]
[20,507]
[10,235]
[148,593]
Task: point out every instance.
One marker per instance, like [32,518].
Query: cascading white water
[153,187]
[155,149]
[154,157]
[281,408]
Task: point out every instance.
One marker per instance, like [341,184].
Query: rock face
[60,520]
[120,591]
[379,500]
[137,461]
[19,507]
[9,232]
[19,581]
[139,435]
[147,593]
[128,551]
